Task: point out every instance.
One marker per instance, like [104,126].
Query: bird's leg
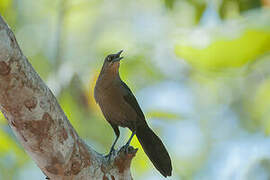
[129,140]
[125,147]
[117,133]
[112,148]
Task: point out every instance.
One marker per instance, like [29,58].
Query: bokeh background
[199,69]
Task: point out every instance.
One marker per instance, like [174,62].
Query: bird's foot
[126,148]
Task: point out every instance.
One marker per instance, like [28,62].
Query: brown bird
[120,108]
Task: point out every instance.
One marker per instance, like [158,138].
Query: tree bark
[41,126]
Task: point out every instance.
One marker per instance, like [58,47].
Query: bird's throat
[114,69]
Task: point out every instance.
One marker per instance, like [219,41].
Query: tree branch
[41,126]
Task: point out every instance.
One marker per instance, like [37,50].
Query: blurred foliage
[7,11]
[240,5]
[160,114]
[226,52]
[213,55]
[225,6]
[260,108]
[198,5]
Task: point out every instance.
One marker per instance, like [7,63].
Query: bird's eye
[109,59]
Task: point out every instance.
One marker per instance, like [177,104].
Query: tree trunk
[41,126]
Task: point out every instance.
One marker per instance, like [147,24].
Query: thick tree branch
[41,126]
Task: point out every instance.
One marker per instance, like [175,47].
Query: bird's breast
[114,106]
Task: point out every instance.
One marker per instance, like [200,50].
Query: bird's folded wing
[131,100]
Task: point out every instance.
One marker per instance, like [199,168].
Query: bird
[121,109]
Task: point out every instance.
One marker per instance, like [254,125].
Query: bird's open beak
[118,56]
[119,53]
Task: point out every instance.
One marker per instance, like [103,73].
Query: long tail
[155,150]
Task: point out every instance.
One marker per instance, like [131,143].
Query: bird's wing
[131,100]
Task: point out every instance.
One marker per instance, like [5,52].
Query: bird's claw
[125,148]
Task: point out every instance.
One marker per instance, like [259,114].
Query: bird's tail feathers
[155,150]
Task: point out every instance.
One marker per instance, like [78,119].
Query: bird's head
[112,61]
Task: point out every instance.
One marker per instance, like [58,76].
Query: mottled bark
[41,126]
